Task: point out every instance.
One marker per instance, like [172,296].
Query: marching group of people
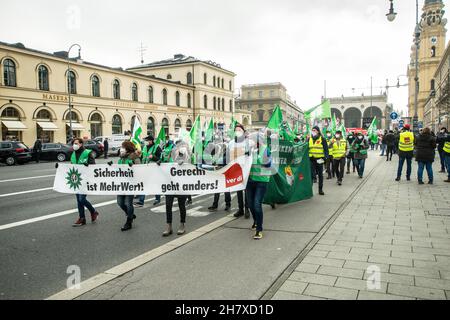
[330,154]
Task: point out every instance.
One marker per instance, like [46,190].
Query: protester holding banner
[360,147]
[128,156]
[82,156]
[338,146]
[318,153]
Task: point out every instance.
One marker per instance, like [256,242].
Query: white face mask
[76,147]
[123,151]
[314,134]
[338,136]
[239,133]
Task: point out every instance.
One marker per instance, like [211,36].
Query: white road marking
[29,178]
[23,192]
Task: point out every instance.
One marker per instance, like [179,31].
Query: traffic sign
[394,115]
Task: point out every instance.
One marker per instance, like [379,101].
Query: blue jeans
[142,198]
[442,158]
[400,167]
[360,163]
[255,193]
[82,202]
[429,166]
[383,149]
[126,204]
[447,163]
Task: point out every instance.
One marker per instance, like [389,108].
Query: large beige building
[431,50]
[34,100]
[261,99]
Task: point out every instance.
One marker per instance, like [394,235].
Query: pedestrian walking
[440,141]
[128,156]
[446,150]
[318,153]
[329,160]
[82,156]
[425,146]
[37,149]
[360,147]
[382,140]
[338,146]
[389,139]
[106,147]
[350,154]
[405,152]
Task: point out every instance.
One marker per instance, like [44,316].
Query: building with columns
[34,100]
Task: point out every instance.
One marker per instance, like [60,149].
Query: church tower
[431,50]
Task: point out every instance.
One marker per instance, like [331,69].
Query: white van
[115,142]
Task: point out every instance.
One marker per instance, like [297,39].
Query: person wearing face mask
[350,154]
[318,153]
[446,150]
[360,147]
[405,152]
[128,156]
[82,156]
[440,141]
[338,145]
[329,164]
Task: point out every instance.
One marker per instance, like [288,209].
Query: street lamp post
[391,16]
[69,86]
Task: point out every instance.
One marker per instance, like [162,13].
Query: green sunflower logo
[74,179]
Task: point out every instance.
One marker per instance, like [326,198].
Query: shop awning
[14,125]
[75,125]
[48,126]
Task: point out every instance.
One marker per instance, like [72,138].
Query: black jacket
[440,140]
[37,146]
[425,145]
[106,144]
[389,140]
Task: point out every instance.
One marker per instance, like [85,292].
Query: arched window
[229,85]
[96,125]
[9,73]
[189,78]
[214,103]
[134,92]
[151,126]
[10,112]
[43,78]
[218,82]
[223,104]
[177,98]
[222,83]
[44,114]
[72,115]
[71,82]
[165,125]
[169,77]
[205,101]
[116,89]
[218,103]
[177,125]
[150,94]
[433,51]
[95,86]
[260,115]
[188,125]
[231,105]
[205,78]
[189,103]
[214,81]
[164,97]
[116,124]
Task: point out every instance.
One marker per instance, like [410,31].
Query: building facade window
[433,51]
[189,103]
[223,104]
[150,126]
[71,82]
[96,125]
[116,89]
[9,73]
[214,81]
[260,114]
[10,112]
[177,125]
[222,83]
[134,92]
[164,97]
[260,94]
[165,125]
[95,86]
[177,98]
[214,103]
[205,101]
[116,124]
[150,94]
[229,85]
[249,95]
[45,135]
[189,78]
[188,125]
[432,85]
[43,78]
[218,82]
[169,77]
[231,105]
[218,103]
[272,93]
[205,78]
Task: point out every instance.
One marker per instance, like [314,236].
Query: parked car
[115,142]
[55,151]
[96,147]
[12,152]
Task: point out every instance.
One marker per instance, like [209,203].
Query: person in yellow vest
[446,151]
[338,146]
[82,156]
[318,153]
[405,152]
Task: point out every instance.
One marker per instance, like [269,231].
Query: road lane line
[29,178]
[23,192]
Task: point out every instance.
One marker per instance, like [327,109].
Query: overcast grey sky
[297,42]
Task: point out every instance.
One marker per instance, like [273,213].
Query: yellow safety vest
[406,142]
[447,147]
[339,149]
[316,148]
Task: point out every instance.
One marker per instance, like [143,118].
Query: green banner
[293,182]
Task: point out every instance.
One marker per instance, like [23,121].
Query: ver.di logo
[74,179]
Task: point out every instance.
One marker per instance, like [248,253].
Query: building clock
[433,40]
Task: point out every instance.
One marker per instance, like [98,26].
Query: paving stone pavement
[391,241]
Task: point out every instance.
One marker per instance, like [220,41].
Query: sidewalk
[364,222]
[400,227]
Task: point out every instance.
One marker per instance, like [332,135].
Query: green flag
[196,131]
[276,119]
[209,133]
[372,131]
[296,132]
[343,130]
[333,124]
[321,111]
[137,130]
[232,127]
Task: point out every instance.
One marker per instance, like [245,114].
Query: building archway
[369,114]
[352,118]
[96,123]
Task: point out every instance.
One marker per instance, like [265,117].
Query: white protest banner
[151,179]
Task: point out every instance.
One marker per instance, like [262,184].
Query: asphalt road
[34,256]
